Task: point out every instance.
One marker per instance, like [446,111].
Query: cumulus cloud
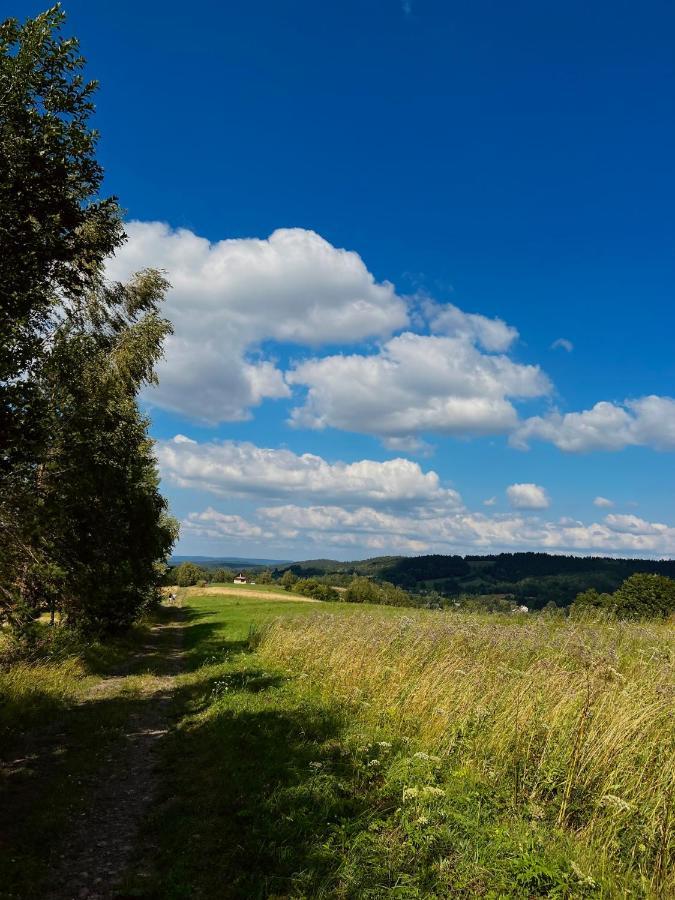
[527,496]
[647,421]
[415,383]
[603,502]
[628,524]
[230,468]
[562,344]
[491,334]
[381,531]
[491,501]
[213,524]
[228,298]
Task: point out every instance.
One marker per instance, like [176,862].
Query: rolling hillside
[532,578]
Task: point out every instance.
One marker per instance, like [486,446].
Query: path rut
[96,854]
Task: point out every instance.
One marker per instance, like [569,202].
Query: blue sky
[502,177]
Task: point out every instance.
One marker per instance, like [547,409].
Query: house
[241,579]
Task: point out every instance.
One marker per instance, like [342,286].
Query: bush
[365,590]
[645,596]
[188,574]
[309,587]
[642,596]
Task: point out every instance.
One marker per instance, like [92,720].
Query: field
[310,750]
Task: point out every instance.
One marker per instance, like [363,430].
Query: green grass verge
[272,791]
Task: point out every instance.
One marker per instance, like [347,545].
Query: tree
[264,577]
[310,587]
[641,596]
[288,579]
[187,574]
[362,590]
[645,596]
[83,527]
[221,575]
[55,231]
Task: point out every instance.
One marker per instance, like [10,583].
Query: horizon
[422,266]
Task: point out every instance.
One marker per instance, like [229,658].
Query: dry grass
[575,720]
[247,592]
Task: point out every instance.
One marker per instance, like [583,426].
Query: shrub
[644,596]
[309,587]
[187,574]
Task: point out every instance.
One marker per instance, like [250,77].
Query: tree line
[84,530]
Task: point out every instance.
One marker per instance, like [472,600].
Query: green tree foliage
[83,527]
[532,579]
[219,575]
[366,590]
[288,580]
[264,577]
[310,587]
[642,596]
[187,574]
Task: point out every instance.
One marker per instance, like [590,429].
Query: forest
[533,579]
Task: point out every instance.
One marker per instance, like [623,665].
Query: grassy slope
[288,778]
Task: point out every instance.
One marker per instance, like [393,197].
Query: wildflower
[617,803]
[410,793]
[427,756]
[423,820]
[430,790]
[316,765]
[374,762]
[384,744]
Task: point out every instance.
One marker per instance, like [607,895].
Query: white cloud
[370,530]
[491,501]
[562,344]
[648,421]
[213,524]
[229,297]
[230,468]
[628,524]
[603,502]
[527,496]
[491,334]
[415,383]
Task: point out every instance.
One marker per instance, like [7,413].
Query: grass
[340,752]
[250,586]
[55,743]
[369,754]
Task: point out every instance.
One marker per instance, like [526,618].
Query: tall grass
[575,722]
[30,691]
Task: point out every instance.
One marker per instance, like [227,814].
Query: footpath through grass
[307,762]
[341,752]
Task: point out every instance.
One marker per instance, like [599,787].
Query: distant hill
[242,562]
[531,578]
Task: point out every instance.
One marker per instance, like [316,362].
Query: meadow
[332,750]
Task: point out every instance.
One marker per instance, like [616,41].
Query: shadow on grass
[246,803]
[252,801]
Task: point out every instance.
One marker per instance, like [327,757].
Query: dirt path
[94,857]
